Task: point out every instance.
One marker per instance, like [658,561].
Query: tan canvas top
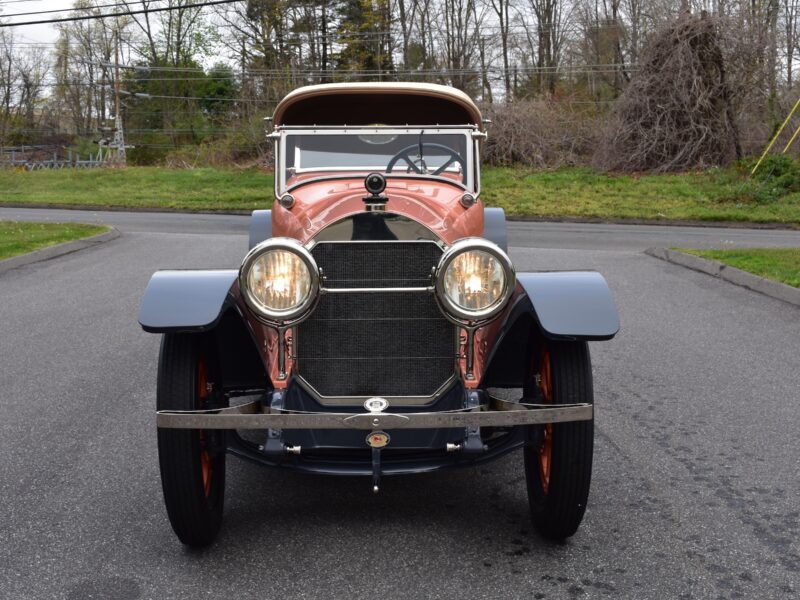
[372,103]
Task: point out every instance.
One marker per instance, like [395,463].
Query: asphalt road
[697,459]
[582,236]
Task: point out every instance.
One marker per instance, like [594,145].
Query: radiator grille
[376,264]
[380,343]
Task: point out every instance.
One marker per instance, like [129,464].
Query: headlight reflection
[279,279]
[475,279]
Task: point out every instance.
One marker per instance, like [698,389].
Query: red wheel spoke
[206,464]
[546,449]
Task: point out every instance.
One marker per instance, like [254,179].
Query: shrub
[676,114]
[777,176]
[246,145]
[539,133]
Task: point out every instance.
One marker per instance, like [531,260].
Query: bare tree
[502,9]
[459,32]
[545,40]
[32,67]
[406,14]
[791,10]
[82,75]
[8,80]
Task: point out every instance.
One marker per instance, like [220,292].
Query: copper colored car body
[377,325]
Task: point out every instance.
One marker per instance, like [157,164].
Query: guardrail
[20,159]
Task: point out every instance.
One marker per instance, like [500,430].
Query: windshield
[432,153]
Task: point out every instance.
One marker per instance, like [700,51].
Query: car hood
[434,204]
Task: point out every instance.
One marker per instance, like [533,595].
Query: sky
[34,33]
[46,35]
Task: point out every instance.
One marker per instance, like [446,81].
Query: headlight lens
[475,280]
[278,279]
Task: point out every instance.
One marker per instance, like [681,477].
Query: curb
[128,209]
[57,250]
[771,225]
[773,289]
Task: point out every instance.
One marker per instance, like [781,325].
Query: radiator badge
[378,439]
[376,405]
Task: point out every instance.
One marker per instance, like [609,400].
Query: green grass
[779,264]
[716,195]
[19,238]
[140,187]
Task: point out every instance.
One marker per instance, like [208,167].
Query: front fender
[573,305]
[494,227]
[260,227]
[176,301]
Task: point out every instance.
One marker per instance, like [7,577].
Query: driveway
[697,469]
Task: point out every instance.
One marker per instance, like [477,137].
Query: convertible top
[376,103]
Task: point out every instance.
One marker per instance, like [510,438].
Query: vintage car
[377,324]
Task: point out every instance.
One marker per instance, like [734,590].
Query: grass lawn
[720,195]
[140,187]
[19,238]
[780,264]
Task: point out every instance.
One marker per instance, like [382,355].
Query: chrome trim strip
[324,290]
[359,400]
[359,175]
[420,241]
[372,127]
[315,241]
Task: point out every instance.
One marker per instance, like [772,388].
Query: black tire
[558,498]
[192,461]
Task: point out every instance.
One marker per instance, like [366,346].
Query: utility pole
[119,132]
[118,142]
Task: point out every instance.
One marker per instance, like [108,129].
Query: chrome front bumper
[495,413]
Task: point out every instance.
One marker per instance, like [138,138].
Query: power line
[120,14]
[148,96]
[71,9]
[311,73]
[611,67]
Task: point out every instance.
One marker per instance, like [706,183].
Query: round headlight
[279,280]
[475,279]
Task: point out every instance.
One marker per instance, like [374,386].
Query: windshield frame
[471,132]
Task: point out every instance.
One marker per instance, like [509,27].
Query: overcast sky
[34,33]
[46,35]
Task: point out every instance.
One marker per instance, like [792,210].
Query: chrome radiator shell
[377,330]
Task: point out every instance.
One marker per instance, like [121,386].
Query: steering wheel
[452,156]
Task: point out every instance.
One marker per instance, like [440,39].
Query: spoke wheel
[558,462]
[192,461]
[546,448]
[206,464]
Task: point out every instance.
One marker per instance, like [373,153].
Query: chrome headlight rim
[290,315]
[453,310]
